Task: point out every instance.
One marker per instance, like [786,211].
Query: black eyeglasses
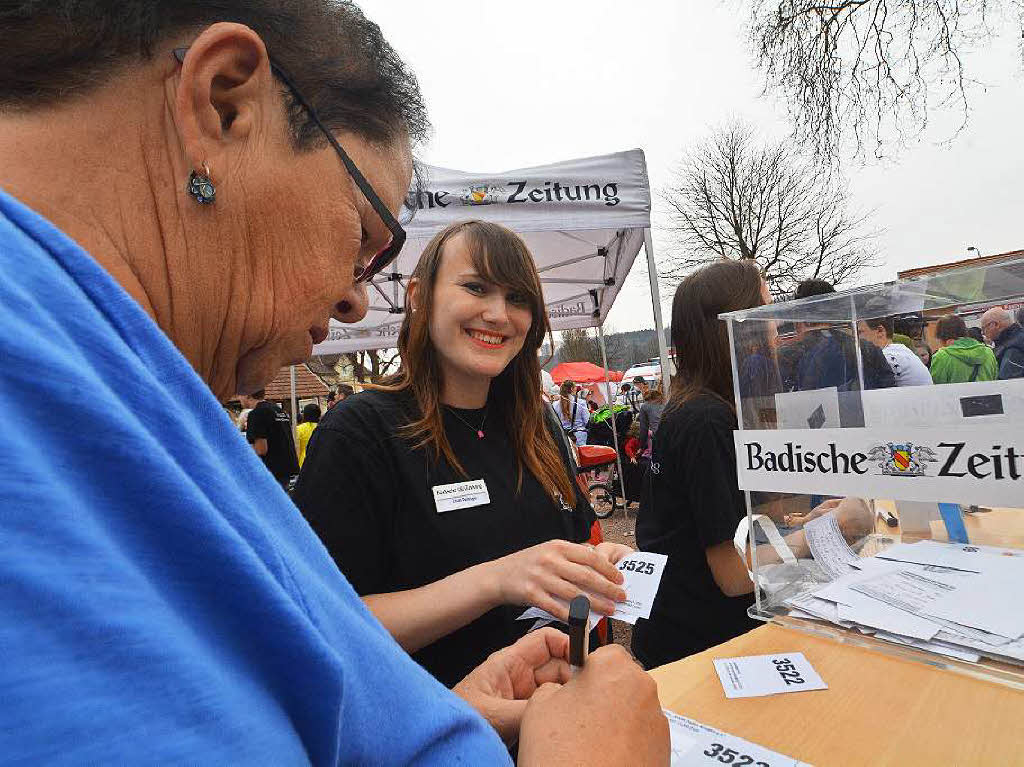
[390,251]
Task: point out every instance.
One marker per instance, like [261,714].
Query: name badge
[461,495]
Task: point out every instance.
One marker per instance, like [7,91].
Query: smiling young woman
[457,505]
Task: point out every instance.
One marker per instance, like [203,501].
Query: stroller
[606,490]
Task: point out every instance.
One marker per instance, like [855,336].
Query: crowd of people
[171,592]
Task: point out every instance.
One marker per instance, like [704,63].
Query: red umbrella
[582,372]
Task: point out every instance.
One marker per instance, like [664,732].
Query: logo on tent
[482,194]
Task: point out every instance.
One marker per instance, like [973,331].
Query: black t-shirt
[690,502]
[269,422]
[368,494]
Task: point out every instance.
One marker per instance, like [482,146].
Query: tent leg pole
[294,402]
[615,431]
[659,326]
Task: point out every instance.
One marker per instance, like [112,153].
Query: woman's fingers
[552,606]
[613,552]
[588,557]
[566,591]
[587,580]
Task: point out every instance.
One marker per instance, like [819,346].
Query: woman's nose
[495,311]
[351,304]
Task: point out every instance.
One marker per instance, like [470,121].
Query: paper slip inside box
[694,743]
[970,558]
[641,573]
[828,546]
[755,675]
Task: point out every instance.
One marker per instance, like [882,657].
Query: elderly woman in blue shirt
[190,192]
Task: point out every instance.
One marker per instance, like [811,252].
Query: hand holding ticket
[641,571]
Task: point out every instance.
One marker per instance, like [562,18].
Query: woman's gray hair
[60,49]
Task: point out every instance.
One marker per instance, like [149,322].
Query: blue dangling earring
[201,187]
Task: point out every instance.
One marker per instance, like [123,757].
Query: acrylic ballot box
[891,516]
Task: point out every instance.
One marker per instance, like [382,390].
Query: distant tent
[583,372]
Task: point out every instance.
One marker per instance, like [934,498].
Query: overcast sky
[514,85]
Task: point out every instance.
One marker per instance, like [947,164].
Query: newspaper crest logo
[481,194]
[902,459]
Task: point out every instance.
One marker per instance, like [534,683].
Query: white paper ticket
[694,743]
[756,675]
[641,573]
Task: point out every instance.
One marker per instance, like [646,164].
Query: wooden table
[996,527]
[878,710]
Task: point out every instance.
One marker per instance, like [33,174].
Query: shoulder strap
[974,373]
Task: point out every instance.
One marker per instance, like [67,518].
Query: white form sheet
[814,606]
[1013,651]
[937,647]
[991,601]
[694,743]
[883,617]
[916,591]
[828,546]
[958,556]
[856,607]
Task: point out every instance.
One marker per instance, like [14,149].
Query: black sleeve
[705,475]
[346,492]
[259,423]
[878,372]
[1012,365]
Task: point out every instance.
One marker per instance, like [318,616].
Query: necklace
[478,429]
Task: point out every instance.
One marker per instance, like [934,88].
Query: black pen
[579,618]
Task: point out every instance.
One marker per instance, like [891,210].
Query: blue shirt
[576,422]
[161,599]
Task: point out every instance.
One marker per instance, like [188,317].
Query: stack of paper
[957,600]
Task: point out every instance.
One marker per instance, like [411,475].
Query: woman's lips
[486,344]
[318,333]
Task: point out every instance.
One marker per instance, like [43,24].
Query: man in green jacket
[961,359]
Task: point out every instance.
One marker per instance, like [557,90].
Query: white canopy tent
[584,221]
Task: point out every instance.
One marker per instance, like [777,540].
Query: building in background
[970,312]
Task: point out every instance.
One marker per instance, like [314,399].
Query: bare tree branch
[579,346]
[869,74]
[734,198]
[372,365]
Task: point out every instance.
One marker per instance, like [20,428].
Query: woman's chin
[257,367]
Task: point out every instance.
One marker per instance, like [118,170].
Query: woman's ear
[411,294]
[225,91]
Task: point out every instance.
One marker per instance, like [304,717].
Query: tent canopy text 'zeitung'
[583,220]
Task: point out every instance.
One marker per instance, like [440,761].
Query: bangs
[502,258]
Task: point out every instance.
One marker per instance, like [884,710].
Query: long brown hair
[654,395]
[502,258]
[567,390]
[700,338]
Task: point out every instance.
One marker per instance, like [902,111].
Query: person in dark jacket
[825,356]
[999,328]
